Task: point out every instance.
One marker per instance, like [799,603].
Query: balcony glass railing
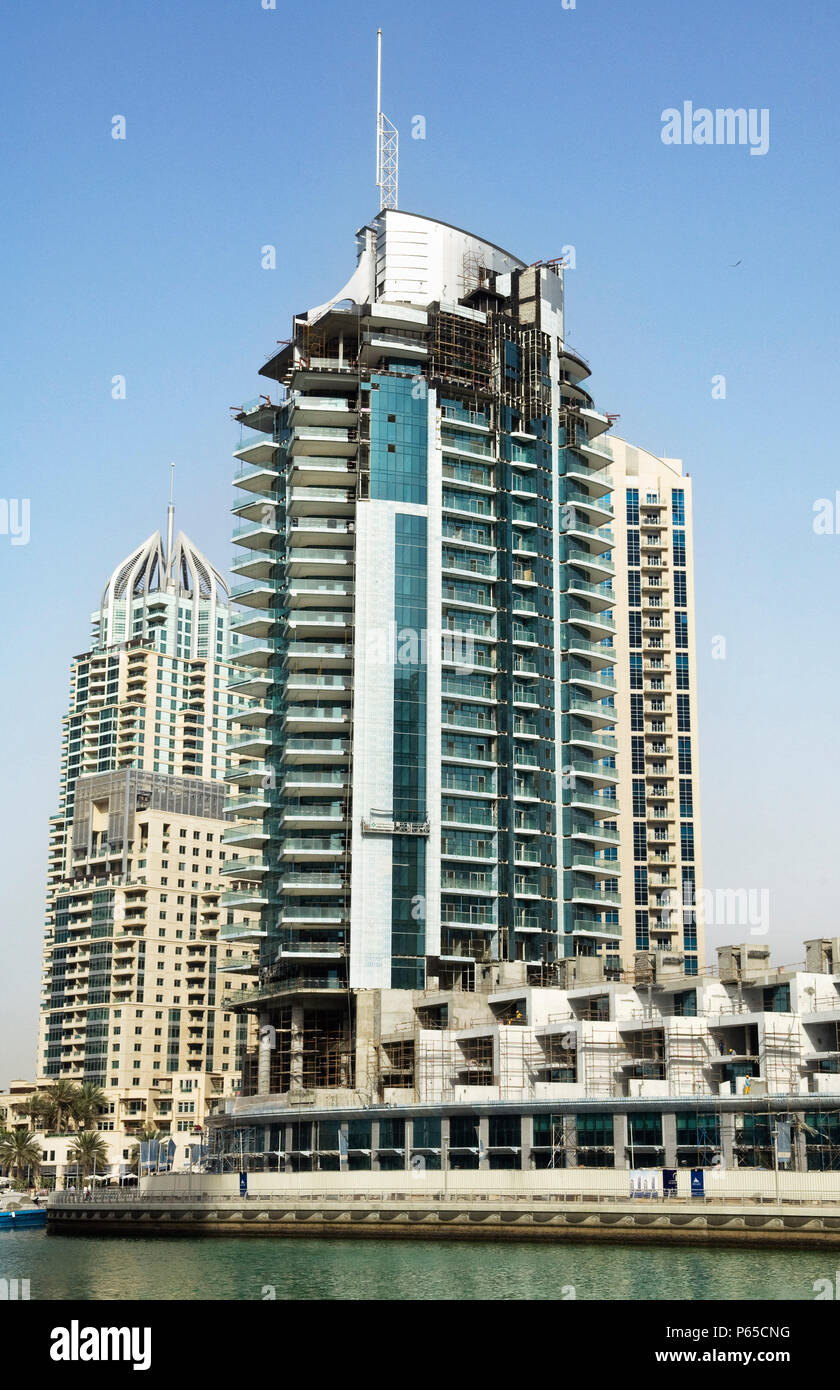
[300,776]
[459,441]
[583,615]
[473,564]
[468,720]
[313,844]
[320,586]
[458,413]
[598,803]
[316,712]
[466,815]
[463,502]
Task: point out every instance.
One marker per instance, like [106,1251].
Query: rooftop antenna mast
[387,142]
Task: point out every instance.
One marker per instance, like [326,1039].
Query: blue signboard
[243,1184]
[669,1181]
[697,1189]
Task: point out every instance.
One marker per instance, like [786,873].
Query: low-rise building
[659,1068]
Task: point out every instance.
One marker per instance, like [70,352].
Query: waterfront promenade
[747,1207]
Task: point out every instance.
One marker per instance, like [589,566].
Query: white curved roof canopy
[148,570]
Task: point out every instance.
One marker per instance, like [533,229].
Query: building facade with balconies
[137,982]
[427,772]
[657,758]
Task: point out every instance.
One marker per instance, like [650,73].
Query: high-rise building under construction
[428,773]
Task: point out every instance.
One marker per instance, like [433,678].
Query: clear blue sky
[248,126]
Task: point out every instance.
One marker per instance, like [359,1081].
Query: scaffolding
[688,1056]
[601,1054]
[461,351]
[313,1049]
[780,1054]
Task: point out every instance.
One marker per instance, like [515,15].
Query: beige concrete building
[656,704]
[137,979]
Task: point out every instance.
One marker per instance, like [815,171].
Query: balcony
[313,593]
[318,500]
[322,410]
[256,535]
[313,848]
[601,806]
[304,560]
[315,813]
[595,565]
[597,773]
[260,478]
[596,681]
[316,717]
[314,882]
[304,750]
[325,441]
[247,900]
[586,895]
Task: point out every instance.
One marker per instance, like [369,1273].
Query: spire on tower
[170,522]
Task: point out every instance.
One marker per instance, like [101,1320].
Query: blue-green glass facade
[398,440]
[408,875]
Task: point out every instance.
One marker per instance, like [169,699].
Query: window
[777,999]
[682,670]
[679,547]
[680,629]
[680,589]
[635,670]
[505,1131]
[684,754]
[683,712]
[678,506]
[633,551]
[638,754]
[637,721]
[645,1130]
[642,931]
[640,841]
[686,807]
[687,841]
[632,506]
[638,797]
[640,878]
[595,1139]
[634,588]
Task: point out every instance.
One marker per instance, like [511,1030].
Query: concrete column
[620,1140]
[444,1142]
[484,1138]
[669,1138]
[570,1140]
[266,1044]
[727,1139]
[374,1146]
[296,1050]
[526,1141]
[800,1151]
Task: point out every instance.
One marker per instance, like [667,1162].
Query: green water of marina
[180,1268]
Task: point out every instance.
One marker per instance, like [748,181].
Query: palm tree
[40,1109]
[89,1150]
[20,1151]
[90,1100]
[63,1095]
